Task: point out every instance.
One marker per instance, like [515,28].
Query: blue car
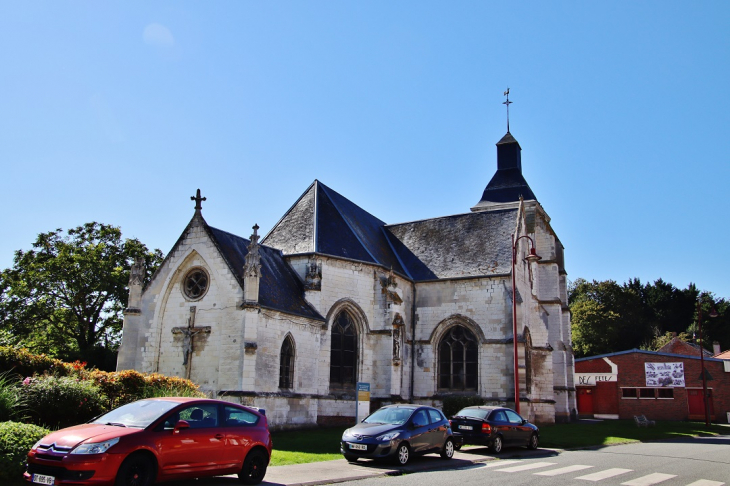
[398,432]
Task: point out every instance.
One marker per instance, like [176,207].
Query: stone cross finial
[198,200]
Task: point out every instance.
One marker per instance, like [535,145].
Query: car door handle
[219,436]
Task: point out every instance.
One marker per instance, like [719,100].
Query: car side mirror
[524,421]
[415,425]
[180,425]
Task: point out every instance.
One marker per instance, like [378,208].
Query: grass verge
[608,432]
[304,446]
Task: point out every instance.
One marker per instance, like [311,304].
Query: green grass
[608,432]
[314,445]
[303,446]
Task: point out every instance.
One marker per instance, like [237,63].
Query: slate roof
[464,245]
[642,351]
[323,221]
[279,288]
[507,184]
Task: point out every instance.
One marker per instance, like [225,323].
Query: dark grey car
[398,432]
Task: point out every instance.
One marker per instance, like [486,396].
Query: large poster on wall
[664,374]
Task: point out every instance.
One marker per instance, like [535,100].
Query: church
[332,296]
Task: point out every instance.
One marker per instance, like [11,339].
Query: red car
[155,440]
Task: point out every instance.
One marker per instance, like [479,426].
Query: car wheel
[136,470]
[254,467]
[350,458]
[403,454]
[533,442]
[497,445]
[448,451]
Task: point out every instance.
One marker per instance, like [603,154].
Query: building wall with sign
[624,384]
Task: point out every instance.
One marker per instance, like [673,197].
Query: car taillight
[450,424]
[486,429]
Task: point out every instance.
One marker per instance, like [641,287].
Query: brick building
[662,386]
[332,296]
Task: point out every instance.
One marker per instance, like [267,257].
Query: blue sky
[118,111]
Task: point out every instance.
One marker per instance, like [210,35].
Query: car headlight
[95,447]
[388,436]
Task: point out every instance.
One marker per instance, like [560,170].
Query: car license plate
[358,447]
[466,427]
[41,479]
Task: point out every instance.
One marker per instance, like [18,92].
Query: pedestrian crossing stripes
[513,466]
[563,470]
[649,479]
[526,467]
[608,473]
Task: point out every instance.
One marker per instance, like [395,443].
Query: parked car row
[398,432]
[159,439]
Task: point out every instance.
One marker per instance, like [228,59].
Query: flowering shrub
[62,401]
[24,363]
[16,439]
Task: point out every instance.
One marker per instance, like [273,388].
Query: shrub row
[454,404]
[58,394]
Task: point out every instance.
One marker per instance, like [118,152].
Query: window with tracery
[195,283]
[458,360]
[343,354]
[286,364]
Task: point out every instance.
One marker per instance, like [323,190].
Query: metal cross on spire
[197,200]
[508,102]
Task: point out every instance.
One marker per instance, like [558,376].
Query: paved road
[695,462]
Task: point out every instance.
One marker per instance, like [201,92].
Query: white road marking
[608,473]
[526,467]
[563,470]
[649,479]
[706,482]
[500,463]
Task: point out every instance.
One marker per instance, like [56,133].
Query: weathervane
[508,102]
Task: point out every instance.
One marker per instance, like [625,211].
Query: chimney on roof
[716,348]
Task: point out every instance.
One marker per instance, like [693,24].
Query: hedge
[16,439]
[54,382]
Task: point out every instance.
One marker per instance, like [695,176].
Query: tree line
[66,296]
[607,317]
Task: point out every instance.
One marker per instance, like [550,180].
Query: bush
[62,401]
[454,404]
[16,439]
[12,401]
[24,363]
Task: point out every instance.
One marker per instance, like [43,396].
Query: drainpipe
[413,340]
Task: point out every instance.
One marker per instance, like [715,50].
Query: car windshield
[137,414]
[393,416]
[472,413]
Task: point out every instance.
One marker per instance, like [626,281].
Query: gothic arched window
[343,355]
[458,360]
[286,364]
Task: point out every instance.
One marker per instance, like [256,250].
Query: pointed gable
[325,222]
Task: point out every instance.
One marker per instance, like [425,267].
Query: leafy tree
[608,317]
[65,297]
[662,340]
